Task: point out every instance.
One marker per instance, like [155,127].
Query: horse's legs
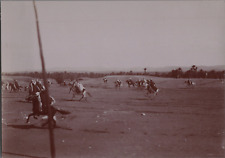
[28,117]
[156,92]
[81,97]
[149,91]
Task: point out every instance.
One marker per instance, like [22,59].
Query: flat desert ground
[179,122]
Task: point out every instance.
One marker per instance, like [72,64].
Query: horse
[78,88]
[64,83]
[12,87]
[37,112]
[5,85]
[190,83]
[141,83]
[105,80]
[151,88]
[17,85]
[130,83]
[118,83]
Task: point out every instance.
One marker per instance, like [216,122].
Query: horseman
[43,99]
[151,87]
[105,80]
[7,85]
[144,82]
[36,101]
[16,84]
[118,83]
[33,88]
[40,86]
[34,95]
[141,82]
[46,101]
[189,82]
[73,85]
[79,89]
[12,87]
[64,83]
[40,102]
[130,82]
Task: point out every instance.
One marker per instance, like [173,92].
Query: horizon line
[108,70]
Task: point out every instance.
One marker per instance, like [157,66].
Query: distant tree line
[60,77]
[193,72]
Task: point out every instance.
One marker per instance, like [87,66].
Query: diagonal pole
[50,118]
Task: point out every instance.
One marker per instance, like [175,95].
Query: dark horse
[13,87]
[36,101]
[130,83]
[190,83]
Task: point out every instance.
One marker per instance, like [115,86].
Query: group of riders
[37,94]
[37,91]
[41,101]
[149,84]
[35,86]
[12,86]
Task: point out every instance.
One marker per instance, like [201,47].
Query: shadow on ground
[22,126]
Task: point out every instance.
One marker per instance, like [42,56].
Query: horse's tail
[61,111]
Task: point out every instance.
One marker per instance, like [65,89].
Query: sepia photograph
[112,79]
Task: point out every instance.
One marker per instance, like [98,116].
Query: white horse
[78,88]
[5,85]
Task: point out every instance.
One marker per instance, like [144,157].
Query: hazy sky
[94,35]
